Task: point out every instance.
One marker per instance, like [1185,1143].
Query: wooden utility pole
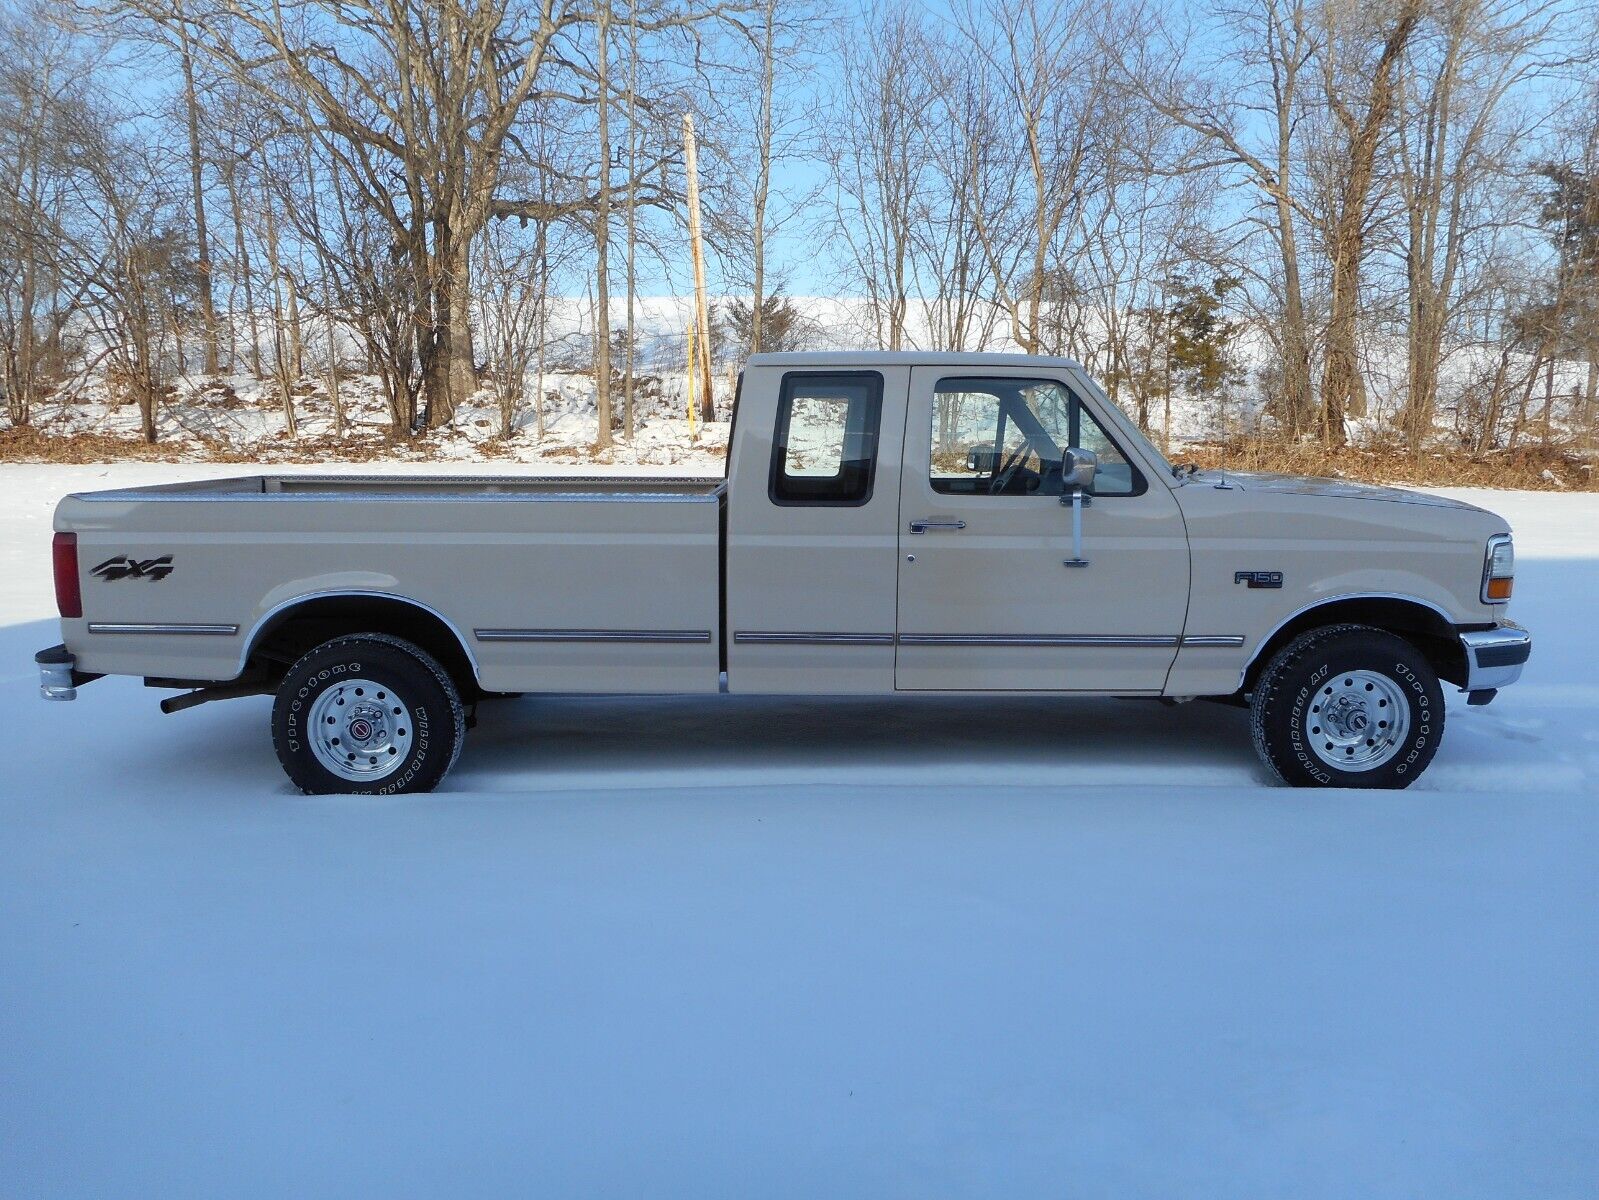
[692,336]
[702,323]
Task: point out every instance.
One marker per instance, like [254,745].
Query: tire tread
[452,695]
[1283,669]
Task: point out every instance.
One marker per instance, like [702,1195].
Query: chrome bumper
[58,680]
[1494,657]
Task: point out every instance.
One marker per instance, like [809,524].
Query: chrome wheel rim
[1358,720]
[359,729]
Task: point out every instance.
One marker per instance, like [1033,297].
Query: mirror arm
[1076,500]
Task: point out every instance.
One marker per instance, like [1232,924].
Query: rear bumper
[59,677]
[1495,657]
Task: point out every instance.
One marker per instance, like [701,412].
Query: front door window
[1005,437]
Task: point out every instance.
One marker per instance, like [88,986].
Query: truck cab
[894,523]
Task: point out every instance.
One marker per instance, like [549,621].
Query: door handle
[924,526]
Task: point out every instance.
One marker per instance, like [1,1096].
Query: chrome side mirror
[1077,469]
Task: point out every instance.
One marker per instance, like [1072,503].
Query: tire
[367,715]
[1347,706]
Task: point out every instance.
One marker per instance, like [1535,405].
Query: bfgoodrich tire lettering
[420,701]
[1332,665]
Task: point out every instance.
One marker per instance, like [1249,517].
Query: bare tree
[136,267]
[967,169]
[1455,152]
[1053,77]
[877,160]
[1361,52]
[512,308]
[192,120]
[764,122]
[1247,103]
[421,100]
[48,252]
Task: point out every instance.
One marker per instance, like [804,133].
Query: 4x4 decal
[122,567]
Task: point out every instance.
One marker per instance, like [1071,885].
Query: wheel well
[1423,627]
[289,634]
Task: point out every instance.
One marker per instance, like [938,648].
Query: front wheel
[367,714]
[1347,706]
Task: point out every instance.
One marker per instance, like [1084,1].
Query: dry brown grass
[24,444]
[1521,468]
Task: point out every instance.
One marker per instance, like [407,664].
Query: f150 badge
[120,566]
[1259,579]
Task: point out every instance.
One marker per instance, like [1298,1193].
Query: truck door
[988,596]
[813,506]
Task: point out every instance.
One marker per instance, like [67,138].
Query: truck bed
[563,584]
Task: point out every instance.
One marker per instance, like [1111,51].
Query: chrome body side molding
[592,635]
[146,627]
[1135,641]
[764,638]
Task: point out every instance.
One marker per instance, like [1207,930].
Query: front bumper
[1494,657]
[59,677]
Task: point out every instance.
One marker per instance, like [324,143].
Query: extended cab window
[825,446]
[1005,437]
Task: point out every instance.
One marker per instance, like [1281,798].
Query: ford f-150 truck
[889,523]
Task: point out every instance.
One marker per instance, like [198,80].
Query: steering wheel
[1007,472]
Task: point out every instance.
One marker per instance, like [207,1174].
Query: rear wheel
[367,714]
[1348,706]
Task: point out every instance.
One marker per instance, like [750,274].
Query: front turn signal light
[1498,569]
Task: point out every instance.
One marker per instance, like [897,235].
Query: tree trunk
[541,253]
[629,418]
[1342,367]
[602,236]
[463,345]
[280,355]
[763,180]
[436,326]
[22,385]
[1589,395]
[334,392]
[1548,400]
[202,248]
[296,337]
[241,252]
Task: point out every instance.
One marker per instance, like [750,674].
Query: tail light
[64,554]
[1499,569]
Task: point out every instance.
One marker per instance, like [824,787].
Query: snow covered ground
[763,948]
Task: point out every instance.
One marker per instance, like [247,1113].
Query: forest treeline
[1323,219]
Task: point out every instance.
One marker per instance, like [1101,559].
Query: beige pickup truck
[890,523]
